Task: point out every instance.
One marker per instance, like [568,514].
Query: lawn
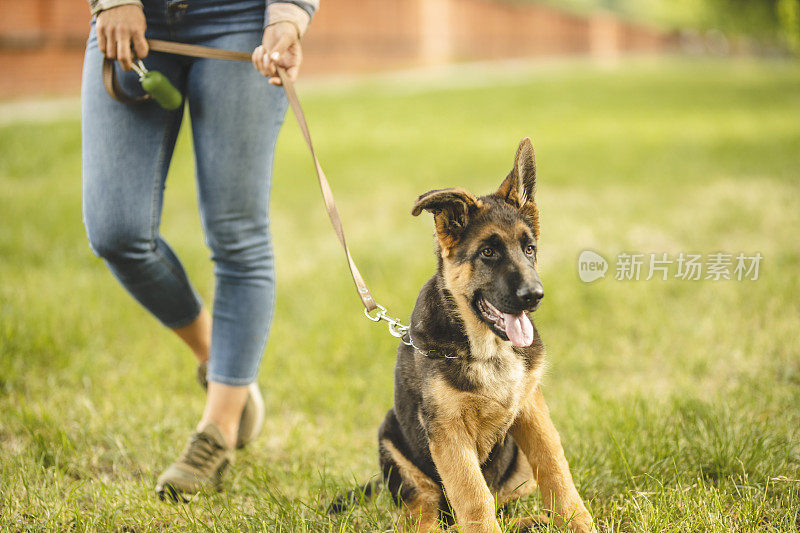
[678,401]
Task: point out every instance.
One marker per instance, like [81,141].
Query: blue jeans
[235,119]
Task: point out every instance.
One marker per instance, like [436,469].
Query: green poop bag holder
[158,87]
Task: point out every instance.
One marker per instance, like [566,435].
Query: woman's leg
[236,116]
[197,335]
[126,152]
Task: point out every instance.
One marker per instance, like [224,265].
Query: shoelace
[202,448]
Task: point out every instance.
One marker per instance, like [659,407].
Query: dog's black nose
[530,295]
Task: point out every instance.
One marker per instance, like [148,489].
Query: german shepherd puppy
[469,425]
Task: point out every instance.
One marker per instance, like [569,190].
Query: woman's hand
[280,46]
[117,29]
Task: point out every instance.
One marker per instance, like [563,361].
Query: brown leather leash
[395,327]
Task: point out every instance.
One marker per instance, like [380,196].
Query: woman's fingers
[118,29]
[278,50]
[124,53]
[292,71]
[280,47]
[258,60]
[101,41]
[140,45]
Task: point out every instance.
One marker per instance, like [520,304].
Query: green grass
[678,402]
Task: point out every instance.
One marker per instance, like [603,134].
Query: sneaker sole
[168,493]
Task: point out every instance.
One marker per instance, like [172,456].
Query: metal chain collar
[400,330]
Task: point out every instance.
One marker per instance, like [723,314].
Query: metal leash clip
[396,328]
[140,69]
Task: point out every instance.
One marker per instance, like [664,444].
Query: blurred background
[42,41]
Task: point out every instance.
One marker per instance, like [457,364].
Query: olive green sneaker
[252,415]
[199,468]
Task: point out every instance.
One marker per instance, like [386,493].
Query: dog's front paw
[582,523]
[529,524]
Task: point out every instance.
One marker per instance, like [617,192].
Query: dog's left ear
[519,187]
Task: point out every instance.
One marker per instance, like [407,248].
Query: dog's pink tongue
[519,329]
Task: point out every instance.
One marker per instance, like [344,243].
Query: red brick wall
[41,41]
[41,46]
[357,35]
[485,29]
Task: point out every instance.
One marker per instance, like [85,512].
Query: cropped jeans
[235,118]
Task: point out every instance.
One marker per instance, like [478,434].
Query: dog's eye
[487,252]
[530,249]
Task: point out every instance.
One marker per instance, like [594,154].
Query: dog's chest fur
[495,370]
[484,391]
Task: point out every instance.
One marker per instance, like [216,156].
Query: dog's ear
[519,187]
[451,210]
